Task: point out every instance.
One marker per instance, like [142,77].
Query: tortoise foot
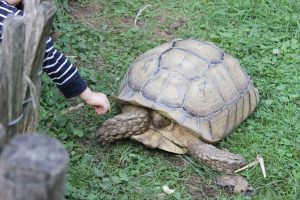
[123,126]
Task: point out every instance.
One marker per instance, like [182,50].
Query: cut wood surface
[32,167]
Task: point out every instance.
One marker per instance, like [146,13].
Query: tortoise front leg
[124,126]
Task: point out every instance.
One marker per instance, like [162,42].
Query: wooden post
[2,137]
[38,23]
[3,92]
[38,20]
[32,167]
[12,55]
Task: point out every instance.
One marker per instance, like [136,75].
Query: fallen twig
[71,57]
[72,108]
[139,13]
[259,160]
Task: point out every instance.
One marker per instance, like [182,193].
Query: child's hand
[96,99]
[13,2]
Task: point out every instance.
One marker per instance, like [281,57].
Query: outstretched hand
[96,99]
[13,2]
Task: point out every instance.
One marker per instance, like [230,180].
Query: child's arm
[61,70]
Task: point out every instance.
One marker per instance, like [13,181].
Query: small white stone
[167,190]
[276,51]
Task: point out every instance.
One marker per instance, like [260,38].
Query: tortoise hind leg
[124,126]
[215,158]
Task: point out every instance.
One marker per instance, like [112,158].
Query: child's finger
[108,105]
[100,110]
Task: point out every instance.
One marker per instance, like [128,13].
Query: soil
[175,160]
[198,187]
[86,14]
[201,189]
[166,26]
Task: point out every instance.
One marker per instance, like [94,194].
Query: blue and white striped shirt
[63,73]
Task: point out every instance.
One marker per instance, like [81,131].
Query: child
[59,68]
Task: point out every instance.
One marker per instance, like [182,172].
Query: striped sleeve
[62,72]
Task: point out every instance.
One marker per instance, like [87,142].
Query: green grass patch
[102,39]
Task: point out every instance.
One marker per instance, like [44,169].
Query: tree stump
[33,167]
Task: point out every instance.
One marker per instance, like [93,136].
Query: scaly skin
[217,159]
[124,126]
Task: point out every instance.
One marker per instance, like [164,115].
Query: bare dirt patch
[201,189]
[122,23]
[175,160]
[166,25]
[160,31]
[127,21]
[178,23]
[101,62]
[86,14]
[90,16]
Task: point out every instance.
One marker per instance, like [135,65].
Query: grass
[102,37]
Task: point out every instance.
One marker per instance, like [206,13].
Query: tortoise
[184,96]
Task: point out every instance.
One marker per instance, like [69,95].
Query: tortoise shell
[193,83]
